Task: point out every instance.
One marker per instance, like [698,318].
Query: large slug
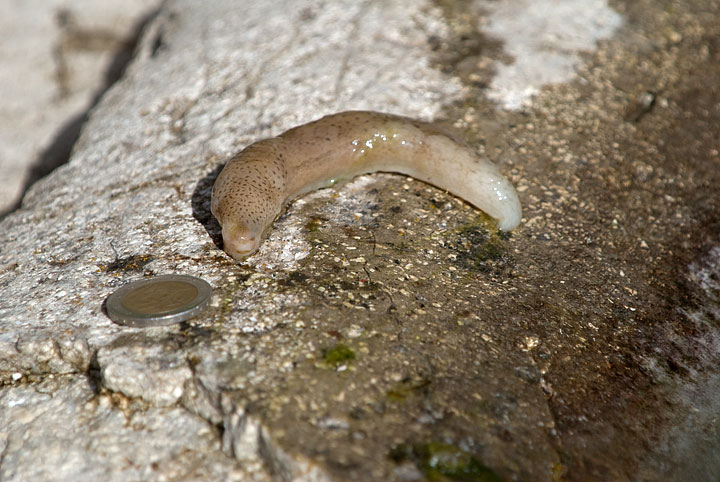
[257,183]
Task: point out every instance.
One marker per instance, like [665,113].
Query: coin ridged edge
[122,316]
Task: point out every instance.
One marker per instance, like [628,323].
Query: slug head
[247,196]
[240,241]
[245,222]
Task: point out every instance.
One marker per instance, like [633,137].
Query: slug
[257,183]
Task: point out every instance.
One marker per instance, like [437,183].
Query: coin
[158,301]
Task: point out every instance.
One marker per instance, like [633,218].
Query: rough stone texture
[81,434]
[143,368]
[544,42]
[384,326]
[56,57]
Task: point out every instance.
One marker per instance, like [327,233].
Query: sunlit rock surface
[385,330]
[57,57]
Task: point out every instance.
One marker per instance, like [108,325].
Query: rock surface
[57,57]
[385,330]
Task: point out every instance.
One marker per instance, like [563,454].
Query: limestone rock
[385,330]
[57,56]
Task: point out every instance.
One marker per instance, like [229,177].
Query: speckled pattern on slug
[258,182]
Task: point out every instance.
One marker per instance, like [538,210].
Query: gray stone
[384,327]
[138,367]
[57,57]
[69,432]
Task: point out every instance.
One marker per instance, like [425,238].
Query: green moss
[441,462]
[491,250]
[314,224]
[338,355]
[479,245]
[484,224]
[404,389]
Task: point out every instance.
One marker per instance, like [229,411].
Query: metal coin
[158,301]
